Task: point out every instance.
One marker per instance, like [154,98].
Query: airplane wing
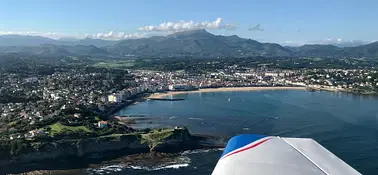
[258,154]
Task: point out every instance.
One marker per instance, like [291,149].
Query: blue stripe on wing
[240,141]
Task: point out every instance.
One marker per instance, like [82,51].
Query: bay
[346,124]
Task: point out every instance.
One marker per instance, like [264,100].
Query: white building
[174,87]
[271,74]
[115,98]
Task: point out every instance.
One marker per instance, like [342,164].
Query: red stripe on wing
[247,148]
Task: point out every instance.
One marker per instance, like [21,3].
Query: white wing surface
[258,154]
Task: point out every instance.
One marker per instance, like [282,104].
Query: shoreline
[225,89]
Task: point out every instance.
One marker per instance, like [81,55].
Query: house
[102,124]
[76,115]
[104,99]
[34,133]
[14,136]
[11,137]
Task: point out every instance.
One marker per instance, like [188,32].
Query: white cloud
[292,43]
[256,28]
[116,35]
[32,33]
[188,25]
[328,41]
[230,26]
[340,42]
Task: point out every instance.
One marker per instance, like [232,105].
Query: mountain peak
[194,33]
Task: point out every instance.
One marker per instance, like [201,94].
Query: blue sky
[282,21]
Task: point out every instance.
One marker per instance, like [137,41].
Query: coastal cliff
[100,148]
[171,140]
[79,148]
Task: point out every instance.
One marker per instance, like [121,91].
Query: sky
[290,22]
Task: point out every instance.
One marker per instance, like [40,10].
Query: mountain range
[195,43]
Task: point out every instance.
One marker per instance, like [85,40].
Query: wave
[179,162]
[174,166]
[106,169]
[119,168]
[161,167]
[198,151]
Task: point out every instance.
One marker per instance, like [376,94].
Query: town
[77,102]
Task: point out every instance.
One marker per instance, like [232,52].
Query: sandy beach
[225,89]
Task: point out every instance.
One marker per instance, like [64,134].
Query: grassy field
[58,127]
[115,64]
[12,123]
[156,137]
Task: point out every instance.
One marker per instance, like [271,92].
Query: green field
[156,137]
[12,123]
[58,127]
[115,64]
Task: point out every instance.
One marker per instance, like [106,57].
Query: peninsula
[36,152]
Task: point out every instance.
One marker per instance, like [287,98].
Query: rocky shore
[79,153]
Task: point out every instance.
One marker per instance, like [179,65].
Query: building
[77,115]
[271,74]
[179,87]
[34,133]
[105,99]
[102,124]
[115,98]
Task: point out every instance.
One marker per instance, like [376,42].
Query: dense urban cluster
[79,100]
[353,80]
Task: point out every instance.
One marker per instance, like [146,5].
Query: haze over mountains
[195,43]
[24,40]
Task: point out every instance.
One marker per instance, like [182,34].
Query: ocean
[346,124]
